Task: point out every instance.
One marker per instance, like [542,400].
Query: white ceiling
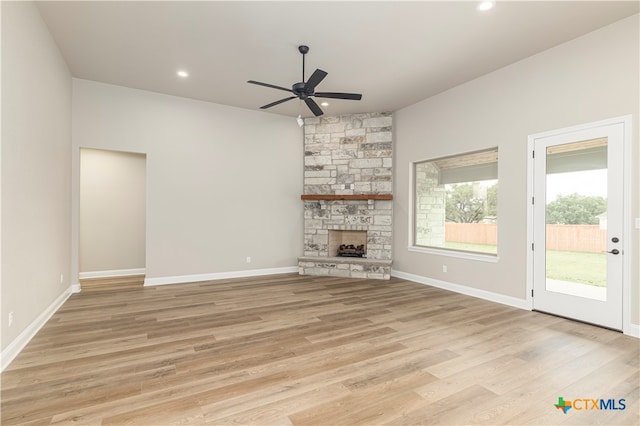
[394,53]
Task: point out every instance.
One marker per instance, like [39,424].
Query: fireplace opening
[349,250]
[347,244]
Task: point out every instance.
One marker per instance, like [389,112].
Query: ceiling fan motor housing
[299,90]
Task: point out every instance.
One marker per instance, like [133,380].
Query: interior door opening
[112,231]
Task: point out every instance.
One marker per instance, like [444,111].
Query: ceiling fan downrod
[304,50]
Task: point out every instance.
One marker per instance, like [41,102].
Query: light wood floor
[128,282]
[286,349]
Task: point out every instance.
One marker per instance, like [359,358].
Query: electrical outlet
[248,259]
[444,268]
[61,278]
[10,318]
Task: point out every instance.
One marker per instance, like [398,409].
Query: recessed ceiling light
[486,5]
[182,73]
[325,103]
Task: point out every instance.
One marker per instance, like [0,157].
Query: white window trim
[491,258]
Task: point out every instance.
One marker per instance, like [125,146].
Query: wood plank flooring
[300,350]
[129,282]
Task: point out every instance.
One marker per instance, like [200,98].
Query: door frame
[626,120]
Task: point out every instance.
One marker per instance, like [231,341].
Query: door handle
[614,251]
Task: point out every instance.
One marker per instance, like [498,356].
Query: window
[456,203]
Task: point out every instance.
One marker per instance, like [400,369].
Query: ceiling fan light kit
[306,90]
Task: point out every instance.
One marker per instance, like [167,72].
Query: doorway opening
[112,228]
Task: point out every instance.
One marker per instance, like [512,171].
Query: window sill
[491,258]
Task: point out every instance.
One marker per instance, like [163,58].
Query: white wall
[36,170]
[222,183]
[590,78]
[112,211]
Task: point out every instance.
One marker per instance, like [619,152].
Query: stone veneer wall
[348,150]
[348,155]
[430,206]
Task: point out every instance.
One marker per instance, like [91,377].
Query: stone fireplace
[348,195]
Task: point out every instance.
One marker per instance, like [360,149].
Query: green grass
[577,267]
[572,266]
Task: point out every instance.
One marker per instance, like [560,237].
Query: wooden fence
[474,233]
[588,238]
[576,238]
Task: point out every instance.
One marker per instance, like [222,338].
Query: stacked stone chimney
[348,187]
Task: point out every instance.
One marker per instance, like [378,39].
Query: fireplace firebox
[347,243]
[349,250]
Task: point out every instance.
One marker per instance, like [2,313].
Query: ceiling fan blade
[315,79]
[269,85]
[277,102]
[313,106]
[334,95]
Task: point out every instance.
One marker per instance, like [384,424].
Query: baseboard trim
[17,345]
[628,329]
[462,289]
[111,274]
[181,279]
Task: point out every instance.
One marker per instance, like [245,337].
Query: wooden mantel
[306,197]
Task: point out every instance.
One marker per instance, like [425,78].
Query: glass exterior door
[578,225]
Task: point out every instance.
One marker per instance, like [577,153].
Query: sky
[588,182]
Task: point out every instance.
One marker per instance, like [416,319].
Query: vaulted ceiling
[394,53]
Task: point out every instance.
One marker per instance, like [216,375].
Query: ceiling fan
[306,90]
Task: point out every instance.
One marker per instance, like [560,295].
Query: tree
[465,206]
[492,201]
[576,209]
